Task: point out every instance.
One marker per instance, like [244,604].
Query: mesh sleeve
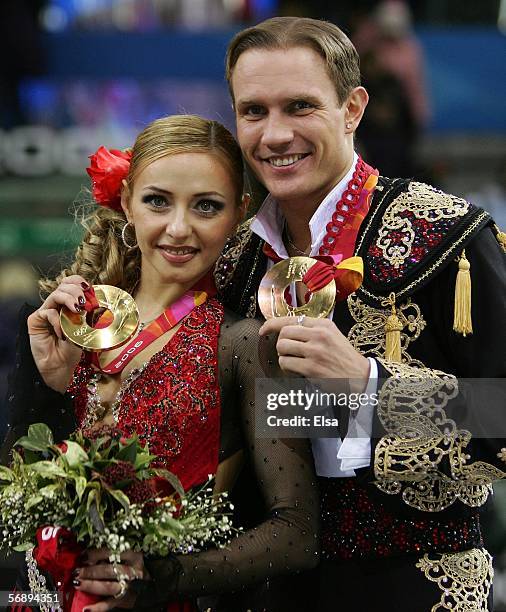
[287,539]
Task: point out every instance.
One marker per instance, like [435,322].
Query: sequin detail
[355,525]
[173,402]
[413,226]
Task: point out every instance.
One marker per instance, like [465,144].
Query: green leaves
[82,485]
[6,474]
[128,452]
[48,469]
[121,498]
[172,479]
[39,438]
[75,455]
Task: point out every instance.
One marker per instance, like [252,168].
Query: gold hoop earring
[123,236]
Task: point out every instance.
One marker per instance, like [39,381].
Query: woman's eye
[209,207]
[155,200]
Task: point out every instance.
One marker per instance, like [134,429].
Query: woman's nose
[179,226]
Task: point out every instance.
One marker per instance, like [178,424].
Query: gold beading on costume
[464,578]
[368,333]
[421,441]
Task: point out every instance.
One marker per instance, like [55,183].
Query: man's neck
[298,214]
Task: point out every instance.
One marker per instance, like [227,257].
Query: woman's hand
[102,578]
[54,356]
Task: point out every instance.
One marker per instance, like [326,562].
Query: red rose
[62,446]
[107,171]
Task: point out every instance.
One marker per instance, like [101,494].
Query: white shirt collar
[269,221]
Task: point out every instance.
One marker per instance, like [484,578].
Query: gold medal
[271,293]
[107,327]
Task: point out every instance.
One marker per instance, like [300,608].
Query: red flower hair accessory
[107,171]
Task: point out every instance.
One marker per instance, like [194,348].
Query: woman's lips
[178,255]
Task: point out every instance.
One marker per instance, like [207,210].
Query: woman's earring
[123,236]
[348,126]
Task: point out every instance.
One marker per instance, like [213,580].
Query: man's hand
[104,579]
[317,349]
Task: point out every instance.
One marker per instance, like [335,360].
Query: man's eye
[209,207]
[155,200]
[301,105]
[254,111]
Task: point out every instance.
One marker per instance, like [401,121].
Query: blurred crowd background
[75,74]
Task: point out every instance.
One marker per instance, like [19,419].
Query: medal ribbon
[170,317]
[348,272]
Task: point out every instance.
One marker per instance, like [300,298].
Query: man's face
[290,124]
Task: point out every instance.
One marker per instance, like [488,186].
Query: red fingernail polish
[85,286]
[81,300]
[77,307]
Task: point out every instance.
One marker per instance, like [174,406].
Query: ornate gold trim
[368,333]
[428,272]
[465,579]
[423,456]
[424,202]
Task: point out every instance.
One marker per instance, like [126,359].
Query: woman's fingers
[75,279]
[69,295]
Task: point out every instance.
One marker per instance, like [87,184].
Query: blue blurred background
[79,73]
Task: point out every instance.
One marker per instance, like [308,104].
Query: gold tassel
[462,322]
[501,238]
[393,328]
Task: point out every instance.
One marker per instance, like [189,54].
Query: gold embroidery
[464,578]
[429,271]
[37,584]
[227,262]
[423,454]
[368,333]
[424,202]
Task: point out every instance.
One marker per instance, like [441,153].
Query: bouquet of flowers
[98,489]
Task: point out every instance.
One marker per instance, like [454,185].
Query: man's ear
[355,107]
[125,200]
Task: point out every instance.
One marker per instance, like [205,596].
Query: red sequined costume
[195,403]
[173,402]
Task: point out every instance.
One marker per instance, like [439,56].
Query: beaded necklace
[354,197]
[345,222]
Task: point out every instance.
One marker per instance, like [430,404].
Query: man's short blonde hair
[331,43]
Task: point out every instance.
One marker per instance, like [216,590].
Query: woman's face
[183,207]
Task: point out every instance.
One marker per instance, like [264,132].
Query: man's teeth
[285,161]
